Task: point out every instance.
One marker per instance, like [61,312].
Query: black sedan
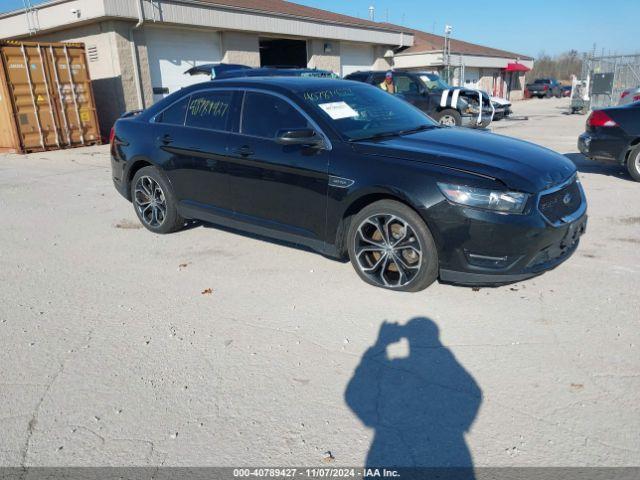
[348,170]
[613,135]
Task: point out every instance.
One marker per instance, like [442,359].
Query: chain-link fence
[609,76]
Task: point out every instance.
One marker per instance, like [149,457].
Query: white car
[502,108]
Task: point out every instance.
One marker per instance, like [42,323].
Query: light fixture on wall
[328,48]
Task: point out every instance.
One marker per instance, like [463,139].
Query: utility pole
[448,29]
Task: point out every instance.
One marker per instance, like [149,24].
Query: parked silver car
[630,95]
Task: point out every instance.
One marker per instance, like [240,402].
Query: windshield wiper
[377,135]
[396,133]
[417,129]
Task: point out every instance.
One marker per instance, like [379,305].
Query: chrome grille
[560,203]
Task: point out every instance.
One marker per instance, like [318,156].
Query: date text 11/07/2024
[316,472]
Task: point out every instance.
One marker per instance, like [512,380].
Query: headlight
[497,200]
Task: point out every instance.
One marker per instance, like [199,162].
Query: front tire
[154,201]
[391,247]
[633,163]
[449,117]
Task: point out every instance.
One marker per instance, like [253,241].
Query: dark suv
[545,87]
[349,170]
[451,106]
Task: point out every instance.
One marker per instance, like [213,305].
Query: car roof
[273,72]
[395,70]
[282,85]
[293,84]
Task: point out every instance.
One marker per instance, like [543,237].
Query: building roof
[273,7]
[424,42]
[281,7]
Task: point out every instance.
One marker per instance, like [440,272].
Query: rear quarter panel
[628,117]
[134,145]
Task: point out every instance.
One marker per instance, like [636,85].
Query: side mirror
[299,136]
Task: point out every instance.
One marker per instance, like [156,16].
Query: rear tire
[391,247]
[154,202]
[633,163]
[449,117]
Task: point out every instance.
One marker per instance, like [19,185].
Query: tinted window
[378,78]
[404,84]
[265,115]
[175,114]
[210,110]
[360,77]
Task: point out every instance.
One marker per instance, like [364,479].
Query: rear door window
[265,115]
[175,114]
[210,110]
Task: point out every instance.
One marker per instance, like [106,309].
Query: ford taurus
[347,170]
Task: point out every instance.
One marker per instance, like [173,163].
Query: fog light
[486,261]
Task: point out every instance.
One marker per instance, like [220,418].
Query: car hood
[518,164]
[500,101]
[472,92]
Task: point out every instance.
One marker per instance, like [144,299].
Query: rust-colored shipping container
[46,100]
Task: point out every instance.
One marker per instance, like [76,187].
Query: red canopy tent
[516,67]
[508,77]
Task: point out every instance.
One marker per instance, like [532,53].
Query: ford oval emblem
[567,198]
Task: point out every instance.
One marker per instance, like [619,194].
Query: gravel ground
[120,347]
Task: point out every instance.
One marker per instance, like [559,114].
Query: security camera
[75,12]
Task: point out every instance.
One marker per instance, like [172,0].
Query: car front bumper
[483,248]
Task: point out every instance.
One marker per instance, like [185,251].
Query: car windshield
[361,112]
[433,82]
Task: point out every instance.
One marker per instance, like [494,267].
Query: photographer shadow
[420,405]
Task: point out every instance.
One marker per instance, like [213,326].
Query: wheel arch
[136,165]
[632,145]
[361,201]
[626,154]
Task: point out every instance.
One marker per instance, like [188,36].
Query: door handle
[244,151]
[166,139]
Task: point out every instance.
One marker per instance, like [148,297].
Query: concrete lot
[110,354]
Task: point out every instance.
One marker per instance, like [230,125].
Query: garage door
[172,51]
[471,77]
[354,57]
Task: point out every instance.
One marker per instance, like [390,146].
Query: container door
[73,97]
[33,106]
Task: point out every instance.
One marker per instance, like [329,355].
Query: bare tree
[560,66]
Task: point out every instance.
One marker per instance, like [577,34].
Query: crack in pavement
[33,421]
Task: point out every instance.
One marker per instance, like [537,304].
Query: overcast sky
[554,26]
